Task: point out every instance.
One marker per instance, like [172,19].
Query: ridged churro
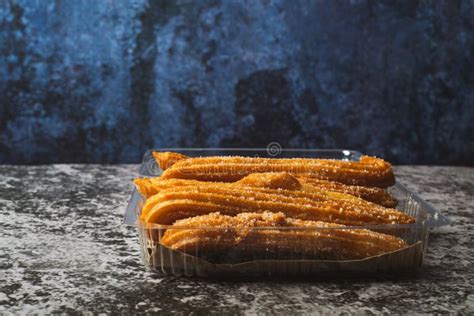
[167,159]
[369,171]
[286,181]
[375,195]
[150,186]
[243,237]
[177,199]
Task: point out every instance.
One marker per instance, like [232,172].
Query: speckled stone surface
[102,81]
[63,248]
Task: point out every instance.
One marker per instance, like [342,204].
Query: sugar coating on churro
[267,233]
[150,186]
[371,194]
[369,171]
[271,180]
[177,199]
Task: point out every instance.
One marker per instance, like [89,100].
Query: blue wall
[101,81]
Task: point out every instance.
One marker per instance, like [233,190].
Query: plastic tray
[159,258]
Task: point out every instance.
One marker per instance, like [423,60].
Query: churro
[372,194]
[369,171]
[151,186]
[286,181]
[177,199]
[268,235]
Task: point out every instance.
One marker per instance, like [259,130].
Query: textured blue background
[101,81]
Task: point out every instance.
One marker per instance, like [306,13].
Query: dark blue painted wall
[101,81]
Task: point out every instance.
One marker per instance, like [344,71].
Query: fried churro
[375,195]
[286,181]
[177,199]
[167,159]
[150,186]
[266,236]
[369,171]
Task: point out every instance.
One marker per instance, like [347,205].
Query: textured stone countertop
[63,248]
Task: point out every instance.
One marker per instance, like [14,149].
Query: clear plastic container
[264,263]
